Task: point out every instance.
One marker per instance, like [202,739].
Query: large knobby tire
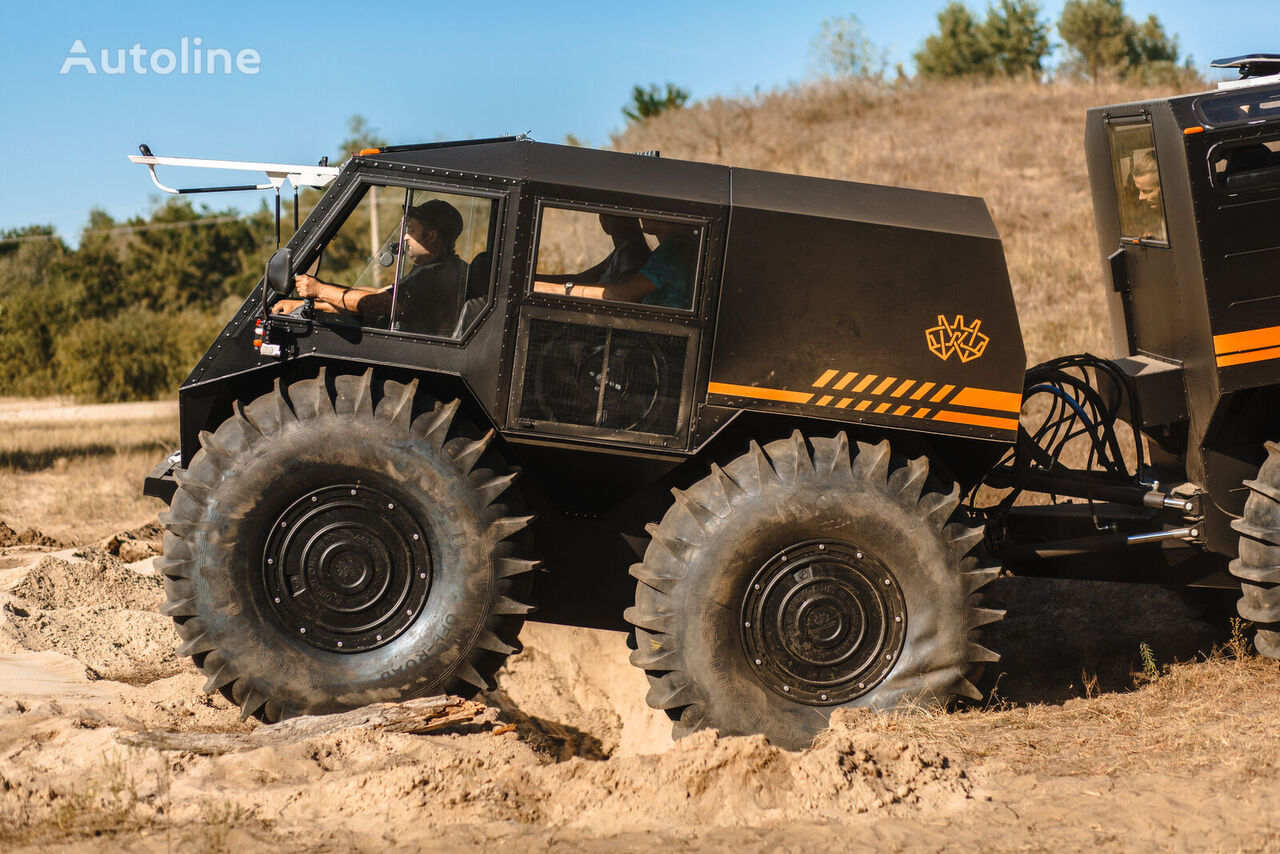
[333,545]
[1258,566]
[791,583]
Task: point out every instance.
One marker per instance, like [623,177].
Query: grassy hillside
[1019,145]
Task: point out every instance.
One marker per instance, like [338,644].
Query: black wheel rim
[347,568]
[823,622]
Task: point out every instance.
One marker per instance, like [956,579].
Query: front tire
[793,582]
[333,545]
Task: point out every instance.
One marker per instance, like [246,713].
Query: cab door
[611,322]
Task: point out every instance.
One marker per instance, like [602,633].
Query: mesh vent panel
[614,379]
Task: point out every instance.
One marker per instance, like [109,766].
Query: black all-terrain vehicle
[530,371]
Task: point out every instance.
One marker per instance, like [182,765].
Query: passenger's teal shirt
[670,268]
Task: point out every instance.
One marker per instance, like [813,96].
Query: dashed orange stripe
[825,378]
[967,396]
[922,391]
[888,381]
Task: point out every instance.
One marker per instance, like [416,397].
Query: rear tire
[792,582]
[1258,566]
[330,547]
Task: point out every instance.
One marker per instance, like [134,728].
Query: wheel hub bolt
[415,536]
[822,547]
[422,575]
[378,637]
[391,507]
[747,624]
[823,696]
[302,630]
[339,643]
[858,555]
[353,492]
[786,687]
[277,600]
[758,661]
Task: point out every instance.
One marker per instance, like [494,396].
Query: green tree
[1016,39]
[958,49]
[1103,41]
[841,48]
[647,103]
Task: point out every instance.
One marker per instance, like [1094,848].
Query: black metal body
[820,304]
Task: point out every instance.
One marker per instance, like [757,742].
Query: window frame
[354,193]
[594,306]
[1120,123]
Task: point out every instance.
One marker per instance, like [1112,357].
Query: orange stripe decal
[984,398]
[759,393]
[1250,356]
[902,410]
[888,381]
[881,408]
[977,420]
[921,413]
[1250,339]
[824,400]
[843,403]
[946,390]
[898,392]
[844,381]
[825,378]
[864,382]
[863,405]
[922,391]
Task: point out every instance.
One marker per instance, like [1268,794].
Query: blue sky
[418,72]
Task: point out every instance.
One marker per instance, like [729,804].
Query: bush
[138,354]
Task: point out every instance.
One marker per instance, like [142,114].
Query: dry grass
[1019,145]
[78,480]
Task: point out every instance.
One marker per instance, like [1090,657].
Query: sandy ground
[107,743]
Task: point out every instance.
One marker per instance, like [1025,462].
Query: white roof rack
[277,173]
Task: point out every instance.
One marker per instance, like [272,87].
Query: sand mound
[135,545]
[29,537]
[98,611]
[99,580]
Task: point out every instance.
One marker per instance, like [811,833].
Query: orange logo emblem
[955,336]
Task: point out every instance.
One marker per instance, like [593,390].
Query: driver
[429,296]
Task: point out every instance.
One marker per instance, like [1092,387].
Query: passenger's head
[620,226]
[1146,178]
[431,229]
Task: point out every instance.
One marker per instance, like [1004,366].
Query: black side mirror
[280,271]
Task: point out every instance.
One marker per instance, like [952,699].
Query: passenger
[665,279]
[630,251]
[1145,176]
[428,299]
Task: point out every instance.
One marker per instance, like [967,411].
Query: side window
[1137,180]
[361,254]
[641,259]
[446,259]
[409,260]
[1245,166]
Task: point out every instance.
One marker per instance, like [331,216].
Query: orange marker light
[1196,129]
[365,151]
